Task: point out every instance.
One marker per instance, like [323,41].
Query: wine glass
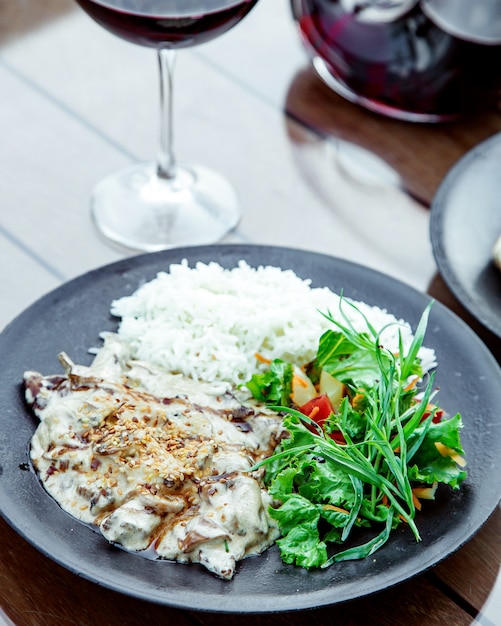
[156,205]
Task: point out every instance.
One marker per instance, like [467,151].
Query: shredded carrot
[446,451]
[412,384]
[261,358]
[300,381]
[332,507]
[416,501]
[313,412]
[358,397]
[384,500]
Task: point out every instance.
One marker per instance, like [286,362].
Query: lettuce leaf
[386,444]
[356,362]
[429,465]
[274,386]
[300,544]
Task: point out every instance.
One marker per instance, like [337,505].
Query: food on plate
[365,446]
[235,408]
[496,253]
[208,323]
[155,460]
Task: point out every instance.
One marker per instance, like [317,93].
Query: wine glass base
[139,210]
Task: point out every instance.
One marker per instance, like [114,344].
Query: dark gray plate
[465,222]
[71,318]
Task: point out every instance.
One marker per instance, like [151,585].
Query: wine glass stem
[166,164]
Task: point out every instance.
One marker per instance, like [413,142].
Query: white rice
[208,323]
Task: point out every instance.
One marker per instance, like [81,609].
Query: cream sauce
[158,462]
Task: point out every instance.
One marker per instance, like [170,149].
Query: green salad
[366,444]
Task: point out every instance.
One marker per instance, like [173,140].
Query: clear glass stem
[166,163]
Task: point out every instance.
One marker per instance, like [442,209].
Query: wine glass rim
[174,7]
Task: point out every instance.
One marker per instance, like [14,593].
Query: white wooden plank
[265,65]
[23,279]
[112,89]
[45,184]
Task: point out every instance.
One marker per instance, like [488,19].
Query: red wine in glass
[162,204]
[419,61]
[158,23]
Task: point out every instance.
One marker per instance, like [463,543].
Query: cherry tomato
[318,409]
[437,418]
